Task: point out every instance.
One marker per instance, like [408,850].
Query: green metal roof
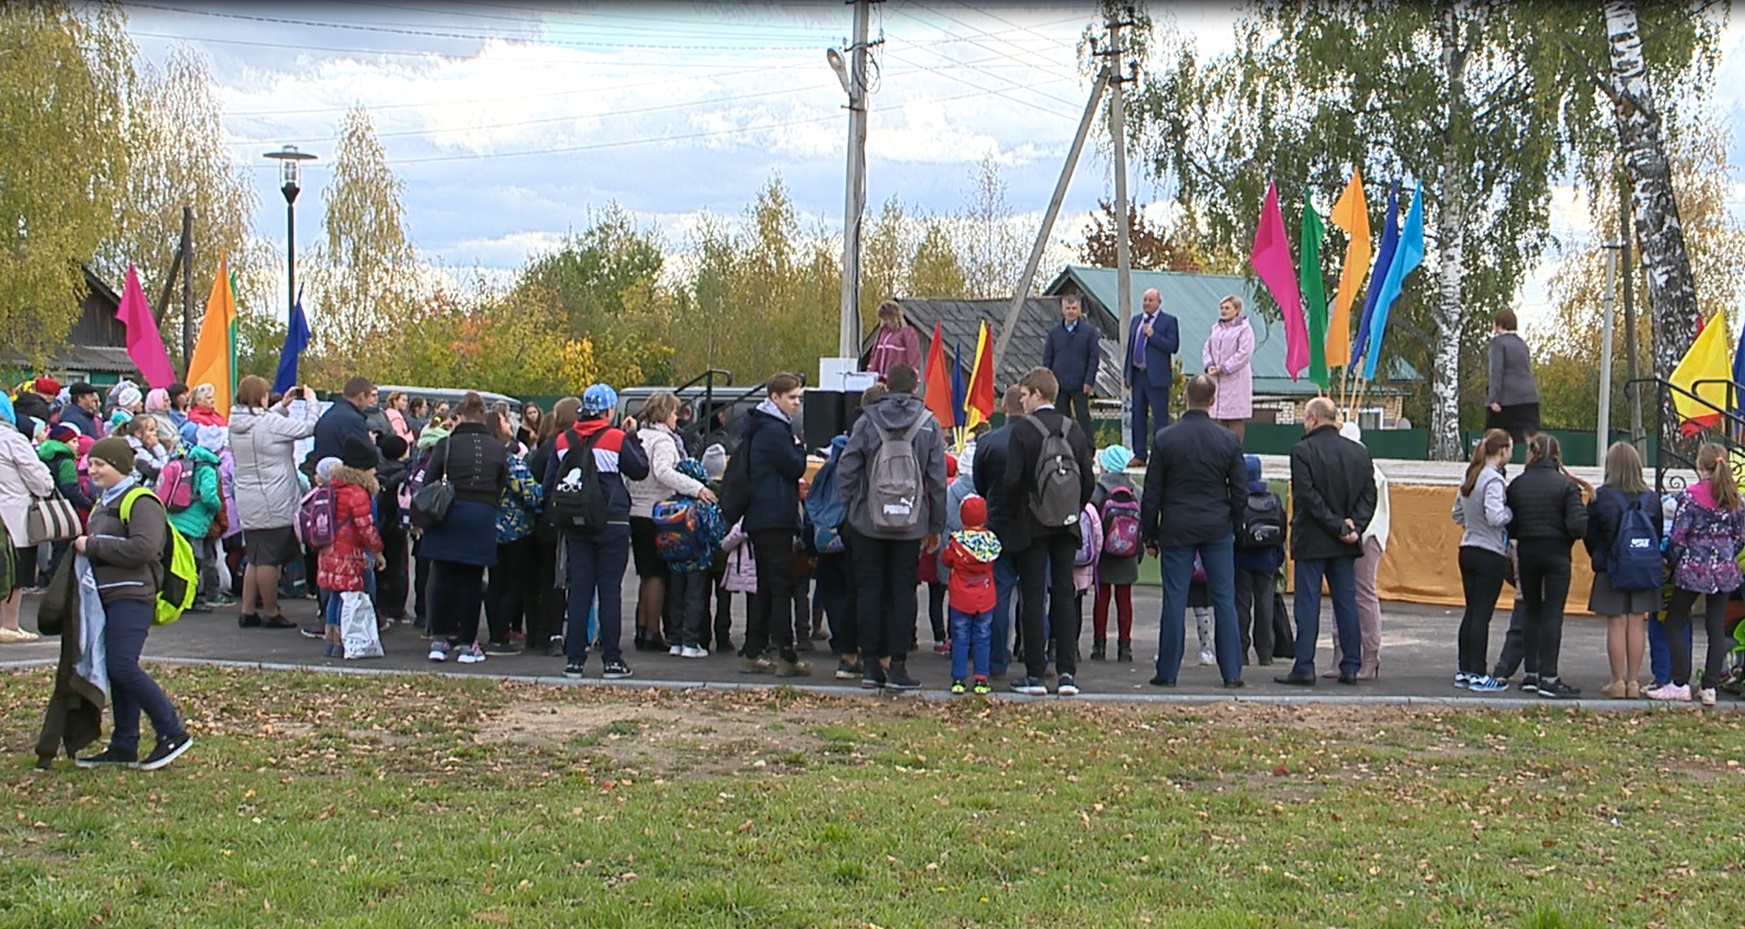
[1193,300]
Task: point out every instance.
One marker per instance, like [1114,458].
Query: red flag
[979,408]
[938,394]
[1271,258]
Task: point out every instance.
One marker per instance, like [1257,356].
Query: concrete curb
[1450,702]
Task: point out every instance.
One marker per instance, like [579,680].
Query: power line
[987,90]
[414,53]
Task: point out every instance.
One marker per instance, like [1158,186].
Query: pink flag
[144,345]
[1271,259]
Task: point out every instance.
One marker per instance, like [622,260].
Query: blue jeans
[1341,575]
[130,688]
[1005,585]
[1660,649]
[1176,564]
[970,633]
[596,573]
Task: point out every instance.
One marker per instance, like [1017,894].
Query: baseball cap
[598,399]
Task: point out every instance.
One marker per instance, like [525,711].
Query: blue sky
[509,122]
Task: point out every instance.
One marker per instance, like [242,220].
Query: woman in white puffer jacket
[659,435]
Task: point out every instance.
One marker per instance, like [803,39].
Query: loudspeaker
[823,416]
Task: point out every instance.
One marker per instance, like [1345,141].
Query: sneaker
[873,677]
[983,687]
[942,648]
[1207,659]
[470,654]
[1669,692]
[1708,696]
[574,669]
[1555,689]
[1529,683]
[959,688]
[847,670]
[317,631]
[675,651]
[222,600]
[438,650]
[18,635]
[793,668]
[1461,679]
[199,607]
[1066,686]
[616,670]
[1484,683]
[897,678]
[804,644]
[554,647]
[501,648]
[693,651]
[756,665]
[1029,686]
[108,758]
[166,751]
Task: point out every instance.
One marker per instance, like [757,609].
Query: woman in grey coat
[1512,399]
[264,442]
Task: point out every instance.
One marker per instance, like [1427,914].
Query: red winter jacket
[356,541]
[970,555]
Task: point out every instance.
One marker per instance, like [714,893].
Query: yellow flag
[1351,214]
[211,361]
[1710,359]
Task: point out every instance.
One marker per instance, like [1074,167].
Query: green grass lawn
[327,800]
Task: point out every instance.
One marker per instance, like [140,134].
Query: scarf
[115,493]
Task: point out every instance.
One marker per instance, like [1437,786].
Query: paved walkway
[1417,661]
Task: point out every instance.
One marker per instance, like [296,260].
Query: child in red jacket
[970,555]
[357,544]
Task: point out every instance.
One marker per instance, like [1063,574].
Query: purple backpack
[1121,523]
[315,517]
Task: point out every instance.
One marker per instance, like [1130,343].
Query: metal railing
[1677,450]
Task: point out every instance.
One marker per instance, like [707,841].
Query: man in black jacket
[342,419]
[1073,353]
[777,463]
[1196,487]
[1332,502]
[990,479]
[1043,552]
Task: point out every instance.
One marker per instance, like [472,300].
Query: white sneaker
[1207,659]
[1708,696]
[693,651]
[1669,692]
[438,650]
[471,654]
[676,651]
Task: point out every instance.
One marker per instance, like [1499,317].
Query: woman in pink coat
[1226,357]
[897,342]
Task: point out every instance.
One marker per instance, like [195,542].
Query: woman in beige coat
[22,476]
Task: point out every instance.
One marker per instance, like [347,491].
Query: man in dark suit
[1196,488]
[990,476]
[1044,554]
[1332,502]
[1154,338]
[1074,352]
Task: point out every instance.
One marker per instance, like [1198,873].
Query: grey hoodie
[1484,513]
[893,413]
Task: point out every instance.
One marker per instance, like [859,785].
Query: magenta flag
[1271,259]
[144,345]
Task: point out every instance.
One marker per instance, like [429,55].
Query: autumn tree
[1151,246]
[66,79]
[991,251]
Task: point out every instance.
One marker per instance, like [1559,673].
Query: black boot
[897,678]
[1124,651]
[1099,650]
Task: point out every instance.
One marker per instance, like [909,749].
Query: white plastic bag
[357,626]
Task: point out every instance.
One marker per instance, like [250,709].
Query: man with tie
[1155,337]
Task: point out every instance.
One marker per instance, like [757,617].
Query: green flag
[1314,291]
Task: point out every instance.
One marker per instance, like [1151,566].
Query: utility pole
[187,284]
[1022,292]
[853,73]
[1627,269]
[1118,138]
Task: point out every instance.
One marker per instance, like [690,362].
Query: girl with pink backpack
[1116,502]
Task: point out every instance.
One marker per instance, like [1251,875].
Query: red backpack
[175,485]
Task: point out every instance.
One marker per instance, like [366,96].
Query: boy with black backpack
[1260,554]
[1047,485]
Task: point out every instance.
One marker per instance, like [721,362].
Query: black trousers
[1045,582]
[1544,570]
[687,600]
[884,575]
[1254,612]
[392,582]
[1516,650]
[1481,577]
[547,619]
[1077,404]
[768,616]
[513,594]
[420,591]
[1714,619]
[457,591]
[723,615]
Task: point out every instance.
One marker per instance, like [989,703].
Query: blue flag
[296,340]
[1409,256]
[959,392]
[1384,257]
[1738,378]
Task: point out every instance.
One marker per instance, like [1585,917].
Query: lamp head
[839,64]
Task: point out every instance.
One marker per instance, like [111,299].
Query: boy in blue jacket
[1256,573]
[689,583]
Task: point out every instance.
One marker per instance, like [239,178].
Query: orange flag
[1351,214]
[938,394]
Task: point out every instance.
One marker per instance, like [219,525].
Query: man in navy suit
[1155,337]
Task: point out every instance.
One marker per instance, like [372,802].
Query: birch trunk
[1451,250]
[1672,294]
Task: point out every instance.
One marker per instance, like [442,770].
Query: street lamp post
[290,173]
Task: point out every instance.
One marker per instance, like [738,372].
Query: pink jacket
[741,576]
[1084,577]
[1231,348]
[894,348]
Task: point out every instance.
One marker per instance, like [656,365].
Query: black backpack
[1263,522]
[578,502]
[735,493]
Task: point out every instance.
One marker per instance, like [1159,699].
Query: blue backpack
[1635,562]
[825,513]
[678,531]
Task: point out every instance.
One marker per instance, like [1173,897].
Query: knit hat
[118,419]
[950,467]
[973,512]
[1114,459]
[210,438]
[715,461]
[127,395]
[1352,431]
[357,453]
[393,447]
[34,429]
[47,386]
[115,452]
[324,468]
[64,432]
[598,399]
